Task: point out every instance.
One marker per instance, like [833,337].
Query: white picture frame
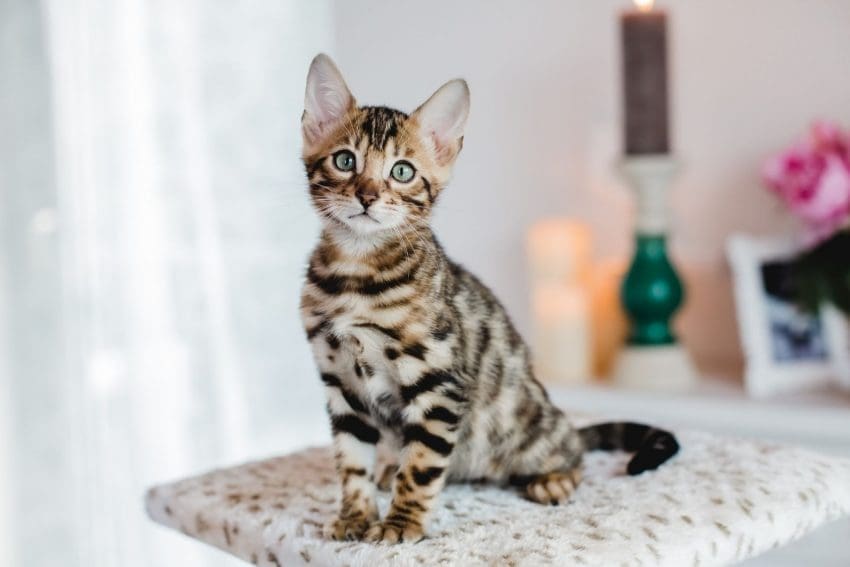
[838,334]
[785,349]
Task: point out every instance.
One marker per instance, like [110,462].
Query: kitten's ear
[442,119]
[326,101]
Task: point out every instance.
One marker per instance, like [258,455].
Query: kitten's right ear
[326,101]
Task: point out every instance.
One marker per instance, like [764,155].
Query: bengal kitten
[414,351]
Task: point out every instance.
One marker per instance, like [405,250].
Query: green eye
[402,171]
[344,160]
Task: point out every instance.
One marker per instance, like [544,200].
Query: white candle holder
[652,291]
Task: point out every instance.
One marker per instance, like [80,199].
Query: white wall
[747,77]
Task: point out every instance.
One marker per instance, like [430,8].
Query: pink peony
[813,179]
[828,138]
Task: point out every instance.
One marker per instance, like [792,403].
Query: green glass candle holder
[651,293]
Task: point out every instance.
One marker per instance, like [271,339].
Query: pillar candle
[562,348]
[644,43]
[559,250]
[559,253]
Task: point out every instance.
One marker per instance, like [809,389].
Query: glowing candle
[559,250]
[644,39]
[559,257]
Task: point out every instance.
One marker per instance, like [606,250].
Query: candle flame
[644,5]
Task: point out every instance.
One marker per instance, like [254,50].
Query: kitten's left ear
[442,119]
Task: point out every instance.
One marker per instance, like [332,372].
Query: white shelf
[816,419]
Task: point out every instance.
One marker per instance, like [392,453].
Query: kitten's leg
[549,468]
[354,433]
[355,437]
[431,417]
[355,460]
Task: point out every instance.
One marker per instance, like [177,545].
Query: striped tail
[651,446]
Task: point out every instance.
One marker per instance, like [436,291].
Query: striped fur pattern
[417,356]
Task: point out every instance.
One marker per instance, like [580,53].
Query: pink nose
[366,198]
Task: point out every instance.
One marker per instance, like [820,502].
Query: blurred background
[154,225]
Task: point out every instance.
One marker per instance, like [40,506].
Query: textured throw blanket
[718,502]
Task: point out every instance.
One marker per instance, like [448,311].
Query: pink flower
[813,179]
[827,138]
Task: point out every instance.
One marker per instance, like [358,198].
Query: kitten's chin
[356,239]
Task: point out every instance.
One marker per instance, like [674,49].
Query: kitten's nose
[366,196]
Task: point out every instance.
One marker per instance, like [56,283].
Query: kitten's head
[374,169]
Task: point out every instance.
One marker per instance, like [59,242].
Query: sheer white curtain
[5,430]
[176,236]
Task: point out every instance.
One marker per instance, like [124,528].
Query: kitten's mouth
[364,215]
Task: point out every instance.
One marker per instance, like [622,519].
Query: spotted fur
[415,353]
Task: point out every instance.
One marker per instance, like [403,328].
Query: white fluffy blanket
[719,501]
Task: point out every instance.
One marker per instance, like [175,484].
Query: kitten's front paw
[394,531]
[348,528]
